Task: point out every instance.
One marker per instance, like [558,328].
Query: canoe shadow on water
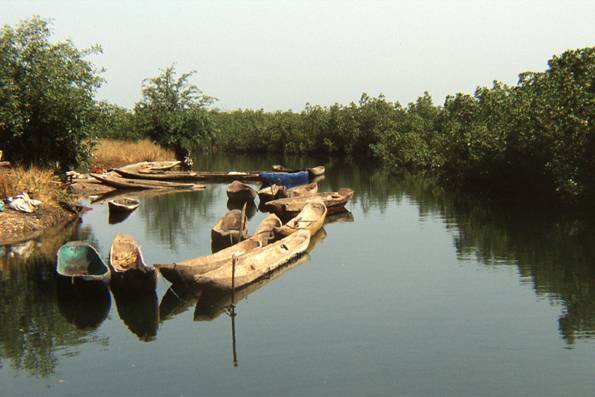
[140,313]
[85,306]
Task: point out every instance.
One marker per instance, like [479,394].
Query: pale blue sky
[282,54]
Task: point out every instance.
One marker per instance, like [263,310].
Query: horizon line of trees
[535,136]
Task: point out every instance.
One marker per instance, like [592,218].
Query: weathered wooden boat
[149,174]
[271,192]
[239,191]
[80,267]
[130,274]
[256,263]
[290,207]
[310,218]
[229,230]
[161,165]
[265,232]
[136,172]
[287,179]
[301,190]
[313,171]
[123,204]
[250,207]
[182,273]
[127,183]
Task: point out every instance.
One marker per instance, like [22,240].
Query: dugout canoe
[229,230]
[127,183]
[239,191]
[130,274]
[256,263]
[301,190]
[310,218]
[123,204]
[182,273]
[290,207]
[271,192]
[313,171]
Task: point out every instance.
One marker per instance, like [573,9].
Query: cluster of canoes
[296,213]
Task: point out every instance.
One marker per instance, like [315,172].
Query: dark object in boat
[289,207]
[239,191]
[229,230]
[130,274]
[123,204]
[287,179]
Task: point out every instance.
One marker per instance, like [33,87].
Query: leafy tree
[113,121]
[46,96]
[174,112]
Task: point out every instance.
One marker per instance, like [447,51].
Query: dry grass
[40,184]
[111,153]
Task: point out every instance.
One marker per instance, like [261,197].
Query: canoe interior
[80,260]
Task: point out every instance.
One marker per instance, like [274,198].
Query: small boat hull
[81,270]
[129,273]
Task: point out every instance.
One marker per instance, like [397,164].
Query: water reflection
[140,313]
[34,323]
[551,250]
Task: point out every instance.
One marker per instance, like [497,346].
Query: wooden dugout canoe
[230,229]
[130,274]
[301,190]
[123,204]
[310,218]
[183,273]
[127,183]
[290,207]
[256,263]
[313,171]
[149,174]
[239,191]
[271,192]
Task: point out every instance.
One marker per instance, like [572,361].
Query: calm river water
[419,292]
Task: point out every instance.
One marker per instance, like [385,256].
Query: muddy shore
[16,227]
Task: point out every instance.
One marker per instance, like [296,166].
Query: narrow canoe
[149,174]
[271,192]
[310,218]
[130,274]
[182,273]
[239,191]
[123,204]
[313,171]
[230,229]
[127,183]
[80,264]
[301,190]
[256,263]
[290,207]
[288,179]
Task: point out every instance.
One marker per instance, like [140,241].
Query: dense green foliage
[46,96]
[536,135]
[173,112]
